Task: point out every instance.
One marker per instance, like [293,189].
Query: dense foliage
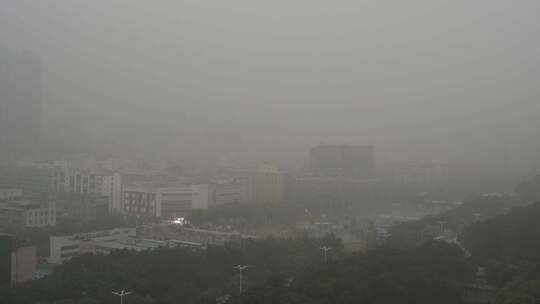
[475,209]
[170,275]
[432,273]
[509,246]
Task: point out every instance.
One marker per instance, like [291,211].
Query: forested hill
[509,247]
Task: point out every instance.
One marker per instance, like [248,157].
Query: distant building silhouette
[342,160]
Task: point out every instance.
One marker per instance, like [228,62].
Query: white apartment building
[111,186]
[84,181]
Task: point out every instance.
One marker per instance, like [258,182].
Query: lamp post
[122,294]
[240,269]
[325,253]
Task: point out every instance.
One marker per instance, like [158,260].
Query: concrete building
[82,207]
[110,185]
[342,160]
[167,201]
[23,263]
[10,193]
[20,103]
[28,213]
[75,181]
[32,178]
[141,201]
[65,247]
[268,187]
[174,202]
[202,197]
[225,193]
[85,181]
[192,235]
[264,185]
[18,261]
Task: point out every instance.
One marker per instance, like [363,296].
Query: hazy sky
[283,70]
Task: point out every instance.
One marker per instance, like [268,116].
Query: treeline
[432,273]
[509,247]
[171,275]
[475,209]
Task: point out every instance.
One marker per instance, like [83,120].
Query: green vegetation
[432,273]
[509,247]
[172,275]
[475,209]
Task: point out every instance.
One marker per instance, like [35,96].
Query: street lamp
[325,252]
[240,269]
[122,294]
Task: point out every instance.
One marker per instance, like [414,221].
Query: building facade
[268,185]
[65,247]
[84,181]
[226,193]
[28,214]
[82,207]
[23,263]
[10,193]
[165,201]
[110,185]
[140,201]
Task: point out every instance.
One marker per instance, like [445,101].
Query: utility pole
[325,253]
[240,269]
[122,294]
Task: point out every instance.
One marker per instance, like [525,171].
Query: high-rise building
[20,103]
[342,160]
[268,184]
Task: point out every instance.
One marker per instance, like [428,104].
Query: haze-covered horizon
[284,75]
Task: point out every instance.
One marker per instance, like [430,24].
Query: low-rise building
[167,201]
[18,260]
[80,207]
[65,247]
[10,193]
[226,193]
[188,235]
[28,213]
[23,263]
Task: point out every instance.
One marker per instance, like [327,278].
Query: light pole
[240,269]
[325,253]
[122,294]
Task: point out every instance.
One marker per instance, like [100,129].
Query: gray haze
[155,76]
